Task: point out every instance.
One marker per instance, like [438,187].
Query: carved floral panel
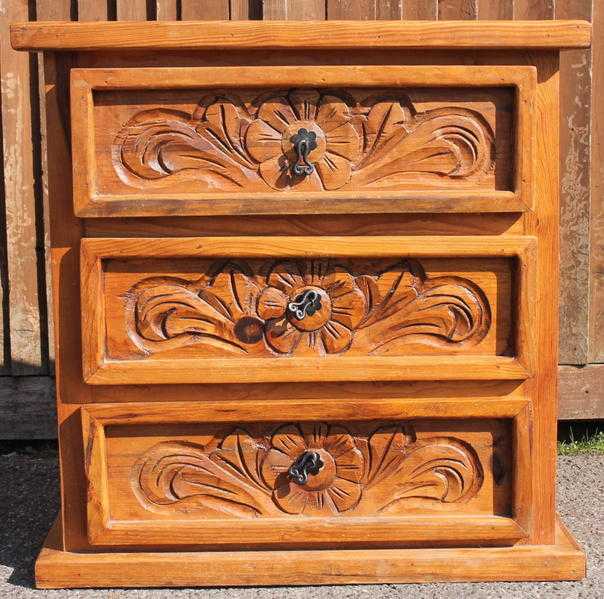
[245,475]
[231,143]
[307,307]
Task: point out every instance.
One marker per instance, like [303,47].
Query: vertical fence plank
[596,352]
[20,176]
[449,10]
[309,10]
[48,10]
[205,10]
[131,10]
[166,10]
[92,10]
[364,10]
[575,103]
[495,9]
[420,10]
[389,10]
[242,10]
[4,322]
[533,9]
[274,10]
[353,10]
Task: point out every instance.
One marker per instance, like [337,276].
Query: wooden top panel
[212,35]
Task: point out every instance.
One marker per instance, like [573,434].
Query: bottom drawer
[385,472]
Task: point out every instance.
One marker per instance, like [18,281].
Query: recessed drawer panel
[253,309]
[185,474]
[301,139]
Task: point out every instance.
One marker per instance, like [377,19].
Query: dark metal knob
[304,142]
[309,462]
[305,304]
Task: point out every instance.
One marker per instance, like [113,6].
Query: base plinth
[56,568]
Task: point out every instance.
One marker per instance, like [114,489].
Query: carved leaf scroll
[227,144]
[245,476]
[240,308]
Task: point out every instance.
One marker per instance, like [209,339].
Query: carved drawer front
[250,140]
[186,474]
[254,309]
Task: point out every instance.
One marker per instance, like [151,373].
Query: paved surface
[28,504]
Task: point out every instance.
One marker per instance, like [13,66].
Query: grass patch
[580,437]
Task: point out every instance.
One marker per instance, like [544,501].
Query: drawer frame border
[464,529]
[98,369]
[89,203]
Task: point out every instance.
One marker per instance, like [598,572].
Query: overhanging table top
[208,35]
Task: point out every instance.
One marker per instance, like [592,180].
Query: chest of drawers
[305,301]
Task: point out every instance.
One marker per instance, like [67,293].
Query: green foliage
[575,438]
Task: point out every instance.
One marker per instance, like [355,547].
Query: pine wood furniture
[305,299]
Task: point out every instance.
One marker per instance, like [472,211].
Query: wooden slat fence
[26,358]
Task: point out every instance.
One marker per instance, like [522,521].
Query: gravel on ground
[29,503]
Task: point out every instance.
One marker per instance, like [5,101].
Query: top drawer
[294,140]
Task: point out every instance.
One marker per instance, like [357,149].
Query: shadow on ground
[29,503]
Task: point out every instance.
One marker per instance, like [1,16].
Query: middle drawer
[272,309]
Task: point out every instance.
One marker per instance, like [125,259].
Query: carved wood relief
[231,144]
[307,307]
[246,475]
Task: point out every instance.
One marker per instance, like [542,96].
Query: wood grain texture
[292,10]
[308,307]
[495,9]
[544,223]
[274,35]
[575,197]
[581,392]
[420,10]
[21,203]
[204,10]
[580,399]
[225,145]
[131,10]
[457,9]
[167,10]
[48,10]
[224,334]
[140,473]
[57,568]
[118,432]
[92,11]
[596,319]
[534,9]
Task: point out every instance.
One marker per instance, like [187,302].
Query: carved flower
[310,307]
[270,140]
[335,488]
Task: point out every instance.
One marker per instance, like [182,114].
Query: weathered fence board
[22,212]
[596,336]
[575,103]
[25,352]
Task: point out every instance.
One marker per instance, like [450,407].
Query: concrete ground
[29,500]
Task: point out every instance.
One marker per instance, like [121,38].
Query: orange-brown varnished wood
[561,560]
[386,298]
[291,34]
[162,477]
[155,296]
[208,144]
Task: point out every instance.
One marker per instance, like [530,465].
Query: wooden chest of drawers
[305,286]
